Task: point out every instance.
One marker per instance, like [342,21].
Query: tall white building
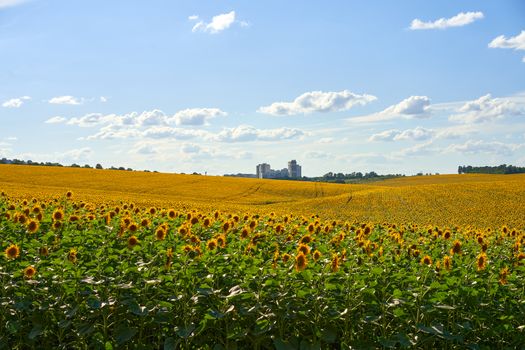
[263,170]
[294,169]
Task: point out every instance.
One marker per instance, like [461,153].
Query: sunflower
[172,213]
[311,228]
[12,252]
[317,255]
[152,211]
[335,263]
[57,225]
[133,227]
[447,234]
[160,234]
[305,239]
[206,222]
[72,255]
[43,251]
[33,226]
[29,272]
[211,244]
[194,220]
[69,194]
[456,248]
[303,248]
[144,222]
[132,241]
[503,274]
[245,232]
[481,261]
[58,215]
[300,262]
[225,227]
[285,257]
[22,219]
[221,240]
[426,260]
[447,262]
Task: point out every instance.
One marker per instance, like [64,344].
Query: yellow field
[476,200]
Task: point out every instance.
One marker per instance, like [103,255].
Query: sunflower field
[98,274]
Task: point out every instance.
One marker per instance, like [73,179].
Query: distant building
[263,170]
[294,169]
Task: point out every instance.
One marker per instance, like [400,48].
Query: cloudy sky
[220,86]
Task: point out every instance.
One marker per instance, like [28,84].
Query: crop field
[110,259]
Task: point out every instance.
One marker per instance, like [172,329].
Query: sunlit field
[109,259]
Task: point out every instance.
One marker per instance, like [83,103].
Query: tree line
[500,169]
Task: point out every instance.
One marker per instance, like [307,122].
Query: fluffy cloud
[245,133]
[459,20]
[92,119]
[55,120]
[417,134]
[216,25]
[65,100]
[318,101]
[515,42]
[409,108]
[10,3]
[422,149]
[15,102]
[485,147]
[197,116]
[486,109]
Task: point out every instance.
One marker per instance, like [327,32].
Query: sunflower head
[211,244]
[317,255]
[426,260]
[335,263]
[12,252]
[481,261]
[303,248]
[132,241]
[160,234]
[300,262]
[32,226]
[29,272]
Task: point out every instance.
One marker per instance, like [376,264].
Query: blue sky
[220,86]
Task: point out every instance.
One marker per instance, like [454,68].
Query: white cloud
[485,147]
[318,101]
[216,25]
[387,135]
[66,100]
[318,155]
[417,134]
[197,116]
[10,3]
[90,120]
[409,108]
[77,154]
[459,20]
[425,148]
[515,42]
[486,109]
[326,140]
[103,99]
[245,133]
[15,102]
[55,120]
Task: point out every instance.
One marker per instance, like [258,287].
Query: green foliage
[161,294]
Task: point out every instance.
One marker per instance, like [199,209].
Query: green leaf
[124,334]
[36,331]
[170,344]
